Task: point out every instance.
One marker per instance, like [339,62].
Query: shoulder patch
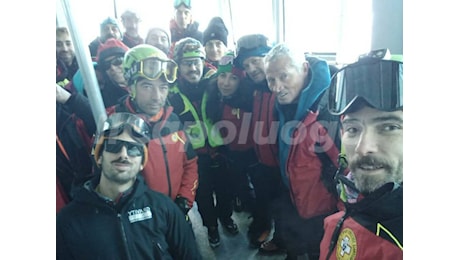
[346,246]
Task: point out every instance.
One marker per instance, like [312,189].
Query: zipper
[123,235]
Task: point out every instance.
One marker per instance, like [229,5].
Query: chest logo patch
[346,247]
[136,215]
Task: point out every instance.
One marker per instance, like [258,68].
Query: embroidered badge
[346,246]
[176,137]
[136,215]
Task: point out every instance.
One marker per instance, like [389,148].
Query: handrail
[85,64]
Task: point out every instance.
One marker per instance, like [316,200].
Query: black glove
[182,203]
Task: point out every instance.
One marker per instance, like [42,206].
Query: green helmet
[188,48]
[149,62]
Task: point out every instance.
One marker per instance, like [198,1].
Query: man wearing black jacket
[115,215]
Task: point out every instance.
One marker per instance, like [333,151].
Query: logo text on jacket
[136,215]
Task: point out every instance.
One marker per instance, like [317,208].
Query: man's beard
[393,172]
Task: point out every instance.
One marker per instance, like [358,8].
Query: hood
[320,79]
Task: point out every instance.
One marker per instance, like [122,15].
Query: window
[342,27]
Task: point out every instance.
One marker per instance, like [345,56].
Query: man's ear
[99,161]
[305,67]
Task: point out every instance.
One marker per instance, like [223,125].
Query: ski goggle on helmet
[114,126]
[376,81]
[149,62]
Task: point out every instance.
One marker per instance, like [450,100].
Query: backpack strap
[332,125]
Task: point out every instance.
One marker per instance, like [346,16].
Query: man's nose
[367,143]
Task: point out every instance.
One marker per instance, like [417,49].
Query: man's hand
[62,95]
[182,203]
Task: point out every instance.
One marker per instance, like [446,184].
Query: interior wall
[387,28]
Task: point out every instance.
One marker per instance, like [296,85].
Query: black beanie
[216,31]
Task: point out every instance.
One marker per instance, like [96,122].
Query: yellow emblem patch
[175,137]
[346,246]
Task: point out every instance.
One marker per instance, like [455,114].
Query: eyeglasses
[250,42]
[154,68]
[378,82]
[107,64]
[115,145]
[191,62]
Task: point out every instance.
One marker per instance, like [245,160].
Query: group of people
[313,153]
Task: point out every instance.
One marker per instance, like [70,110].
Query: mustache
[121,160]
[369,160]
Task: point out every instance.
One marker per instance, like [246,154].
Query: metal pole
[85,64]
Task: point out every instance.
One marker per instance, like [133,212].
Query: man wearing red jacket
[173,162]
[368,96]
[265,176]
[172,168]
[299,83]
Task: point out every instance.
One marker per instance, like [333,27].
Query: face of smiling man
[285,80]
[119,166]
[373,142]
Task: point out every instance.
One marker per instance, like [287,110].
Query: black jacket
[179,33]
[74,128]
[144,224]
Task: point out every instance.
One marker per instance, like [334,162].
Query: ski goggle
[114,126]
[192,50]
[115,145]
[154,68]
[179,2]
[378,82]
[117,61]
[118,122]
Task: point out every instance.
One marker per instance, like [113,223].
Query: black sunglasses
[115,145]
[117,61]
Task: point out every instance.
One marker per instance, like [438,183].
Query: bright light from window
[343,27]
[330,26]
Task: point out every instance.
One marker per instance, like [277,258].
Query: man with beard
[368,96]
[159,37]
[186,97]
[115,215]
[109,28]
[149,73]
[66,62]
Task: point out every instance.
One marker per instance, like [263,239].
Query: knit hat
[216,31]
[166,32]
[109,20]
[111,47]
[249,46]
[188,48]
[226,64]
[186,3]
